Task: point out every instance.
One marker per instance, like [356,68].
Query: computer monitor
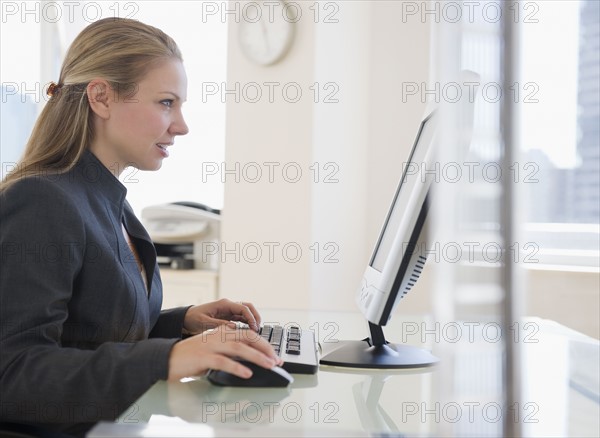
[397,261]
[401,251]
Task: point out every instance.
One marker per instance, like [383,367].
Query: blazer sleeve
[41,381]
[170,323]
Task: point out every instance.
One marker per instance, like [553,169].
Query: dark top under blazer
[81,339]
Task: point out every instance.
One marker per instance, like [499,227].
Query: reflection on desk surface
[332,403]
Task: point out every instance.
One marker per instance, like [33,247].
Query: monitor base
[378,354]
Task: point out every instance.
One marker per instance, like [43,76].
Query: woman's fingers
[200,317]
[217,349]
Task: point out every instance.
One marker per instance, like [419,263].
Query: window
[20,100]
[560,131]
[558,97]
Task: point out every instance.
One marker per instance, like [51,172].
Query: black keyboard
[295,346]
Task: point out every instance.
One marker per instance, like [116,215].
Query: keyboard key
[265,332]
[293,345]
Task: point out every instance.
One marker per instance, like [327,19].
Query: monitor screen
[395,263]
[397,216]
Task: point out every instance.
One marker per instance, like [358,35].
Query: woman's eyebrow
[171,93]
[175,95]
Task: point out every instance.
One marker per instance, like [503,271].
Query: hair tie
[53,89]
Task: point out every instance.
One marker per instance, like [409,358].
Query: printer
[185,234]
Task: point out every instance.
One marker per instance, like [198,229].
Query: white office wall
[358,144]
[340,146]
[265,219]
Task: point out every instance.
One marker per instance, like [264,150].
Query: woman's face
[139,130]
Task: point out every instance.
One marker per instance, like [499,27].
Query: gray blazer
[81,338]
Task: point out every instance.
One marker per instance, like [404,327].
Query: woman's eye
[167,102]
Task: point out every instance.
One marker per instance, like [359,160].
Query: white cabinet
[186,287]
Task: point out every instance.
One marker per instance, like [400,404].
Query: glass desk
[560,381]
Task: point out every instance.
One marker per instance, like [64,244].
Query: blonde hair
[119,50]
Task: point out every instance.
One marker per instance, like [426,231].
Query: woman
[82,333]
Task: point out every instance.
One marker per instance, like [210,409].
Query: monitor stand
[376,352]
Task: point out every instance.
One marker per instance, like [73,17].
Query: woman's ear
[99,94]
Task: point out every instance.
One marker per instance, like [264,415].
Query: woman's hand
[214,349]
[222,312]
